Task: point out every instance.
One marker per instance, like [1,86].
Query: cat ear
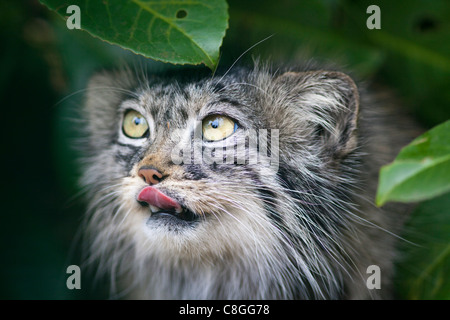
[329,101]
[110,86]
[105,91]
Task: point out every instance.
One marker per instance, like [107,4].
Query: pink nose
[156,198]
[151,176]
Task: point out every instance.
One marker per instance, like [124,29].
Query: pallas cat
[257,183]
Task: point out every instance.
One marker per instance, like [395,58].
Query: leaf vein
[171,24]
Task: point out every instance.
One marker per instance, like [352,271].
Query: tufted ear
[329,101]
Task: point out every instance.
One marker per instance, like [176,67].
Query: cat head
[221,168]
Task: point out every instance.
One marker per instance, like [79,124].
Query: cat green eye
[218,127]
[134,125]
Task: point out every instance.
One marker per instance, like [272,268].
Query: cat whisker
[245,52]
[106,88]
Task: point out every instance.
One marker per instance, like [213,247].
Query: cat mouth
[181,213]
[165,208]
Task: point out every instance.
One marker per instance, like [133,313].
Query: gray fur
[307,230]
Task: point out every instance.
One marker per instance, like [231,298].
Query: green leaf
[420,171]
[174,31]
[423,271]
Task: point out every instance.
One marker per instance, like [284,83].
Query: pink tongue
[156,198]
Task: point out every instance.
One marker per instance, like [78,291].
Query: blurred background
[43,72]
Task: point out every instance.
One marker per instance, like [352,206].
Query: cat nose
[150,176]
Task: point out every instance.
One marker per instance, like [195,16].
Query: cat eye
[134,125]
[218,127]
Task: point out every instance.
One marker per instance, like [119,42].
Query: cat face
[230,168]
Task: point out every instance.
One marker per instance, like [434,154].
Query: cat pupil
[215,123]
[137,121]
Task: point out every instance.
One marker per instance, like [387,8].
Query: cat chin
[171,221]
[213,234]
[213,237]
